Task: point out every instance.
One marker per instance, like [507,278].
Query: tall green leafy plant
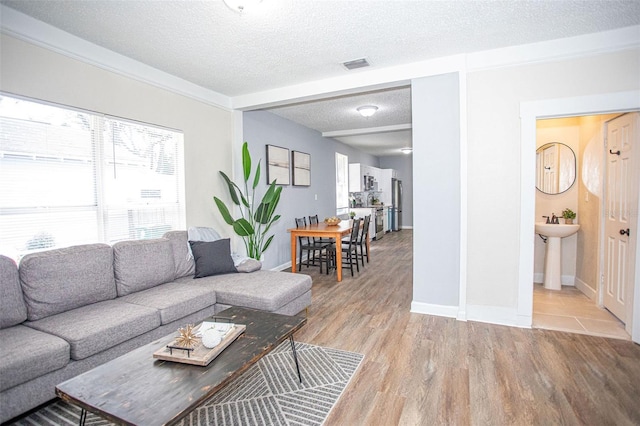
[254,221]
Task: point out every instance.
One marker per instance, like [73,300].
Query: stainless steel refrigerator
[396,200]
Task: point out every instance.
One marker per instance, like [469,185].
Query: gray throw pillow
[212,257]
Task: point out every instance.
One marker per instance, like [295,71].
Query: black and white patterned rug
[269,393]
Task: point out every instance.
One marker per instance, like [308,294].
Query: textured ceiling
[286,42]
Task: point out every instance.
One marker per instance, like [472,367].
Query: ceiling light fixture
[241,6]
[406,150]
[367,110]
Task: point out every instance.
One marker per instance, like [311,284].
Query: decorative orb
[211,338]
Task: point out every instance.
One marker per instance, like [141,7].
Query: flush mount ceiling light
[241,6]
[367,110]
[406,150]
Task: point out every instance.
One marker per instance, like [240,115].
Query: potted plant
[568,216]
[254,222]
[352,214]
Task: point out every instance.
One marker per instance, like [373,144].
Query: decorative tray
[199,354]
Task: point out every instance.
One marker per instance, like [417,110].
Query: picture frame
[278,168]
[301,162]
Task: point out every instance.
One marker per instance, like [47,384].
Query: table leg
[294,250]
[338,257]
[295,356]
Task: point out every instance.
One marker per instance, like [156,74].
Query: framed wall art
[301,163]
[277,165]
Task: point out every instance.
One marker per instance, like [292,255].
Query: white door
[550,164]
[621,200]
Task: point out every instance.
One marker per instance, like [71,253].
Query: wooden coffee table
[137,389]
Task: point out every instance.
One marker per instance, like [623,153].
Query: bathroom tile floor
[570,310]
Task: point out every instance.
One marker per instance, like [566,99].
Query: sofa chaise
[65,311]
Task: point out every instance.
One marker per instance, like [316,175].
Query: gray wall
[436,148]
[404,165]
[261,128]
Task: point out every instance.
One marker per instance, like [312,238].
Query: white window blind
[342,184]
[74,177]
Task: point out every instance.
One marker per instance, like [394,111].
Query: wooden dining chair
[313,220]
[349,251]
[363,237]
[311,247]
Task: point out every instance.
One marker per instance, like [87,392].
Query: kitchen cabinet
[385,220]
[361,212]
[357,173]
[384,186]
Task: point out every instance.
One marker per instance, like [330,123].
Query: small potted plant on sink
[568,216]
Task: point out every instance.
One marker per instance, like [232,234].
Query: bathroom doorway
[593,283]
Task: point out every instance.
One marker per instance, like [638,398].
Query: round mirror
[555,168]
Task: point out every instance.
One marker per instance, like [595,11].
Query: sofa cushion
[182,258]
[26,354]
[142,264]
[59,280]
[212,257]
[94,328]
[264,290]
[174,300]
[12,307]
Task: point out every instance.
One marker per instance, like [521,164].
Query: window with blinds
[73,177]
[342,184]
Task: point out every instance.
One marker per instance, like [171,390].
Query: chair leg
[357,263]
[300,261]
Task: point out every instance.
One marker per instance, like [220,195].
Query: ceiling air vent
[357,63]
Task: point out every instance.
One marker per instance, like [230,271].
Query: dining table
[322,230]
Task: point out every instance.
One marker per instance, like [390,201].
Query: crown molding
[26,28]
[557,49]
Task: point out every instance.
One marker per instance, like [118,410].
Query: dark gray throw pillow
[212,257]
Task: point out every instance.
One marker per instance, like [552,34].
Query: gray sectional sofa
[65,311]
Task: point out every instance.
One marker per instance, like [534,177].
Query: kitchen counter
[361,212]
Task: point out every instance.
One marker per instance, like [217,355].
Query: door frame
[530,112]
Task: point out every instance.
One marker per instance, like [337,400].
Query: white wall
[494,98]
[436,172]
[39,73]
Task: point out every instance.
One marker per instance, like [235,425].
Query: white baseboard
[569,280]
[498,315]
[489,314]
[586,289]
[438,310]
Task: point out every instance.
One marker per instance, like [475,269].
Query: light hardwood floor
[428,370]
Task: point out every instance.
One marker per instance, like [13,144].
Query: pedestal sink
[553,255]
